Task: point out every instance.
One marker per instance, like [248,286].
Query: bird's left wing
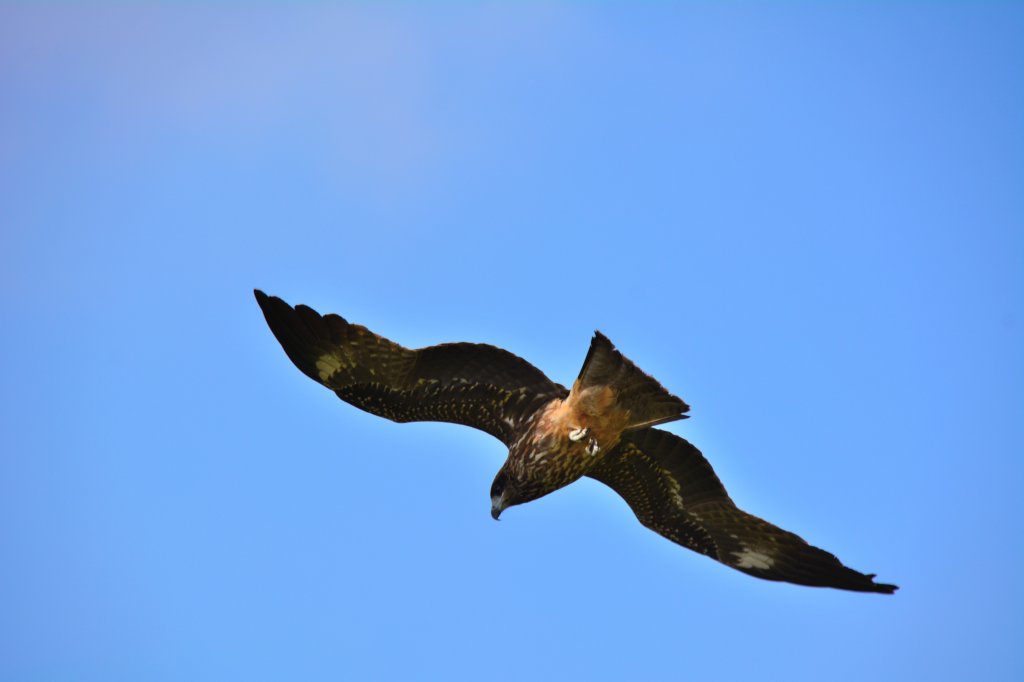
[674,491]
[464,383]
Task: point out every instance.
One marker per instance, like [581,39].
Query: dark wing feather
[464,383]
[674,491]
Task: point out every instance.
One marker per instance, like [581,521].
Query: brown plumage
[602,428]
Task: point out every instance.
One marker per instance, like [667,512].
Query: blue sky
[806,220]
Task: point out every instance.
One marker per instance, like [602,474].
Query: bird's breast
[562,444]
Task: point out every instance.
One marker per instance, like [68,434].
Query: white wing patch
[327,365]
[750,558]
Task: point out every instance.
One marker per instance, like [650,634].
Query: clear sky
[806,220]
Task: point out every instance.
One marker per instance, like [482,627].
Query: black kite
[601,428]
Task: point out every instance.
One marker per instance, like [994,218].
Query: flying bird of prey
[601,428]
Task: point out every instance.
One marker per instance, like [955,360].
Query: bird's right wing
[674,491]
[464,383]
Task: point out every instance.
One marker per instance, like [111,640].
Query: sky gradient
[805,220]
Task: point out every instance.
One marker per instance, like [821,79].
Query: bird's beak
[497,506]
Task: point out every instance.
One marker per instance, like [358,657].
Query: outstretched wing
[464,383]
[675,492]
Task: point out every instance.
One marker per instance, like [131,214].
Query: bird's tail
[646,401]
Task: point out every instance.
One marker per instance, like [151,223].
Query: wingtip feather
[884,588]
[261,298]
[881,588]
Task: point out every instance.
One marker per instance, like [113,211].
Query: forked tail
[646,401]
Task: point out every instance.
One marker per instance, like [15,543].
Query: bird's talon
[578,433]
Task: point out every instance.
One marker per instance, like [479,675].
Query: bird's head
[503,492]
[517,484]
[508,491]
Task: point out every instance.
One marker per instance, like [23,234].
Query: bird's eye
[498,487]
